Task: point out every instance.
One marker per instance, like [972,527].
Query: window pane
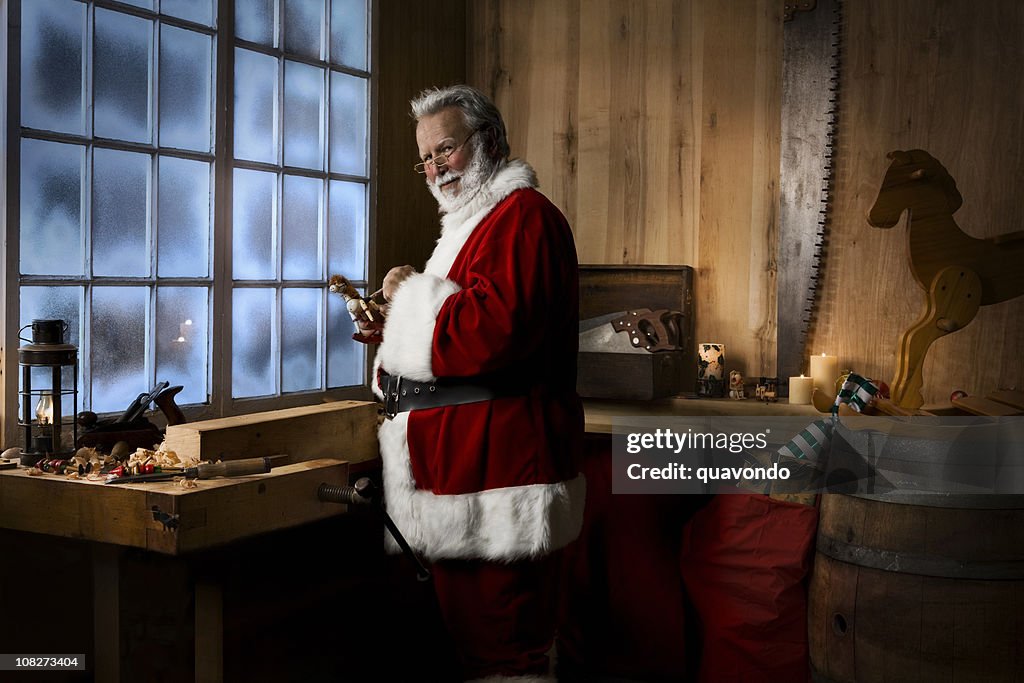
[303,27]
[301,219]
[252,361]
[348,124]
[348,33]
[51,65]
[255,197]
[185,84]
[255,106]
[199,11]
[118,342]
[120,213]
[300,339]
[183,218]
[51,208]
[345,359]
[181,340]
[254,21]
[122,49]
[346,239]
[54,303]
[146,4]
[303,112]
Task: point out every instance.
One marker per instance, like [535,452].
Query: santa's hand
[395,277]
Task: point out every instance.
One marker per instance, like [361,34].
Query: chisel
[230,468]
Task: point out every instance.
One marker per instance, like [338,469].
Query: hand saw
[810,97]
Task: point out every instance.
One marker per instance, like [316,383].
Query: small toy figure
[736,385]
[767,389]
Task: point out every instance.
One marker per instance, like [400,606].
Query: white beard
[471,179]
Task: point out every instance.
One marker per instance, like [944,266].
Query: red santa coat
[498,479]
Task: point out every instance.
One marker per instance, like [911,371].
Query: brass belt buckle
[391,394]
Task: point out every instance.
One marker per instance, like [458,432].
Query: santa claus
[477,370]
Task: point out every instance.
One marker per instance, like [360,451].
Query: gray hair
[477,110]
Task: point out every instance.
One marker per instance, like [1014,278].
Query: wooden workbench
[159,549]
[600,413]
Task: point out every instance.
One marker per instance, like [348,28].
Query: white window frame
[219,365]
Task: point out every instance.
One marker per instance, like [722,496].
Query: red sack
[744,560]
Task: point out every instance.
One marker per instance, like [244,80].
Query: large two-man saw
[810,98]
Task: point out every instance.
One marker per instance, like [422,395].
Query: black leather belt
[402,394]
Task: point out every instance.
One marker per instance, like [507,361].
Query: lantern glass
[44,393]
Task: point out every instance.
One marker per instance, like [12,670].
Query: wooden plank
[977,405]
[223,510]
[1010,398]
[216,511]
[344,430]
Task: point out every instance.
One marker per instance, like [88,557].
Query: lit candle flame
[44,409]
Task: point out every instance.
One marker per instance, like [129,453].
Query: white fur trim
[457,226]
[409,328]
[511,523]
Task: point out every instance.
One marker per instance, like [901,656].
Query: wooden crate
[610,288]
[345,430]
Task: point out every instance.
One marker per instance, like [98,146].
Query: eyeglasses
[441,160]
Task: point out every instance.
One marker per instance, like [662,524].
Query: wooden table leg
[209,650]
[106,581]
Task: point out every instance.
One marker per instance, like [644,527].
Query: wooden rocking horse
[958,272]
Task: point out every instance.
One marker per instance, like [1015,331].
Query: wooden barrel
[918,588]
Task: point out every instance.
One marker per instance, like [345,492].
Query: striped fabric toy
[812,443]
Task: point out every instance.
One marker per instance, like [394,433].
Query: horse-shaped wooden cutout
[958,272]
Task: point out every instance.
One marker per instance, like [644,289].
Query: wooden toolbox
[610,288]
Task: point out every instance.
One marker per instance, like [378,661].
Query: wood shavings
[184,483]
[34,472]
[72,475]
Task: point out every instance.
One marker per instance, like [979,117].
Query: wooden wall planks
[655,125]
[944,77]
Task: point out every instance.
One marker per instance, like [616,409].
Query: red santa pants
[501,616]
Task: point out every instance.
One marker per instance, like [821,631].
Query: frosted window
[54,303]
[300,339]
[51,208]
[300,217]
[199,11]
[252,361]
[303,115]
[303,27]
[185,84]
[254,21]
[345,356]
[118,342]
[346,240]
[348,33]
[121,76]
[181,340]
[51,65]
[183,218]
[255,106]
[120,213]
[255,195]
[348,124]
[146,4]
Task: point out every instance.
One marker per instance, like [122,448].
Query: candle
[824,371]
[800,389]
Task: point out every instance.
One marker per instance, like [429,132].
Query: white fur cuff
[409,329]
